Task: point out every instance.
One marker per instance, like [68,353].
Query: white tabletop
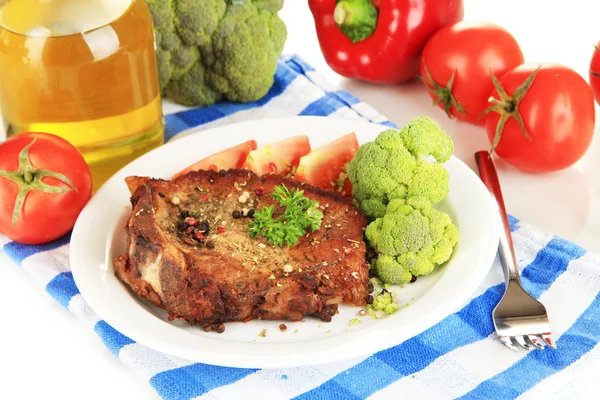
[46,353]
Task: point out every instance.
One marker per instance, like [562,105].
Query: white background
[46,353]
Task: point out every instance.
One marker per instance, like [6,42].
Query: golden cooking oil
[84,70]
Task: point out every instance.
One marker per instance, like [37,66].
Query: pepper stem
[356,18]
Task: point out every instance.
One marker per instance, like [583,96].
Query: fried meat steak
[189,252]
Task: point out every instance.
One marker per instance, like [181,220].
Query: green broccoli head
[410,239]
[208,50]
[398,165]
[424,137]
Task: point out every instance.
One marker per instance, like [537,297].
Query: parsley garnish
[301,213]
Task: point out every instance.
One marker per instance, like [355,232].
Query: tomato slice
[281,157]
[233,157]
[325,167]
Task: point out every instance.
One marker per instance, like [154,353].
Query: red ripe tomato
[556,107]
[281,157]
[233,157]
[325,167]
[595,73]
[44,185]
[456,65]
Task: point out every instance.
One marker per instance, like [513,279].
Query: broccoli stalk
[209,50]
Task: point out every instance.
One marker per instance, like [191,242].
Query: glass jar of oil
[84,70]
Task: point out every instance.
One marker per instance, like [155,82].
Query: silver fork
[521,321]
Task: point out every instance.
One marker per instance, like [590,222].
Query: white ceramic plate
[98,238]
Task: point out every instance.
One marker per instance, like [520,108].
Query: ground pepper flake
[203,197]
[220,229]
[191,221]
[199,235]
[282,327]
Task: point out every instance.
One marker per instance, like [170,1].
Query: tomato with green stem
[44,185]
[457,62]
[541,118]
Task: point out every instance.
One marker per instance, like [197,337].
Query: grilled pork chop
[189,252]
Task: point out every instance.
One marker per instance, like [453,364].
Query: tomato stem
[508,106]
[28,178]
[443,93]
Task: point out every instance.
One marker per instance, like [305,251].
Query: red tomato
[558,115]
[55,183]
[233,157]
[281,157]
[595,73]
[460,58]
[325,167]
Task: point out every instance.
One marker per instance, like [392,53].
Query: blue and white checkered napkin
[459,357]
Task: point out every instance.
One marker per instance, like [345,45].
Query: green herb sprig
[301,213]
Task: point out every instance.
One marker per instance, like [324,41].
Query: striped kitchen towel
[457,358]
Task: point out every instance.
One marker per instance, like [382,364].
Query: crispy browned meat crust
[237,278]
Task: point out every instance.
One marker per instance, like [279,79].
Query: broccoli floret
[387,268]
[383,304]
[424,137]
[209,50]
[410,239]
[398,165]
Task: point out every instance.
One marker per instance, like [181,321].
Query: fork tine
[547,338]
[534,341]
[521,342]
[505,340]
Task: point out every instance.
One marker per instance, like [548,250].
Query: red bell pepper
[379,40]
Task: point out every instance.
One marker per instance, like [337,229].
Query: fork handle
[489,176]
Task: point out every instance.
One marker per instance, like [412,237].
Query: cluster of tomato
[539,117]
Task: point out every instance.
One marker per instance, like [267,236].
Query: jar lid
[49,18]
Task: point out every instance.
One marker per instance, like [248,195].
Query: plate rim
[443,309]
